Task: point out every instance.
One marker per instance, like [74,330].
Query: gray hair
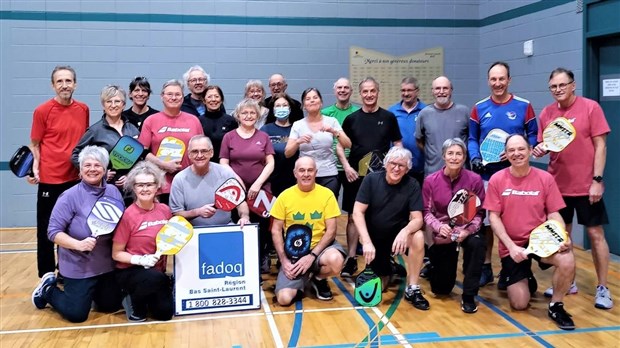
[369,79]
[64,67]
[451,142]
[254,83]
[342,79]
[196,68]
[397,152]
[146,168]
[410,80]
[173,82]
[247,103]
[110,91]
[197,138]
[95,152]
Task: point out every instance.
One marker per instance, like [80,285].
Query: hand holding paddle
[556,137]
[104,216]
[171,238]
[547,239]
[21,162]
[229,195]
[462,209]
[492,147]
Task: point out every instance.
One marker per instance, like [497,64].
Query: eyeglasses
[248,113]
[114,102]
[195,80]
[143,185]
[200,152]
[561,86]
[173,95]
[397,165]
[276,84]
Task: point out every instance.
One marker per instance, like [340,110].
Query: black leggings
[150,290]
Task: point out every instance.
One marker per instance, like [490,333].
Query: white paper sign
[217,271]
[611,88]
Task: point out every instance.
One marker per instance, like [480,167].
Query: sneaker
[571,291]
[561,317]
[416,298]
[130,313]
[487,275]
[398,269]
[38,298]
[469,306]
[265,265]
[603,300]
[320,286]
[350,268]
[502,282]
[532,284]
[425,272]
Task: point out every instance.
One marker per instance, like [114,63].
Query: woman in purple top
[85,262]
[249,152]
[438,189]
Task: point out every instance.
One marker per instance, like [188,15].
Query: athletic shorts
[588,214]
[513,272]
[331,182]
[350,193]
[299,284]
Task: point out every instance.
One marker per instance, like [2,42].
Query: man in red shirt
[578,171]
[57,126]
[519,198]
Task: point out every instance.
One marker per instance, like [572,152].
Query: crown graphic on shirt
[299,216]
[316,215]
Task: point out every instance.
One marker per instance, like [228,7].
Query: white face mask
[281,112]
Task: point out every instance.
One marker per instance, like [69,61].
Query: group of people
[398,170]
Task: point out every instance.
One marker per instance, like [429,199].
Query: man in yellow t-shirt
[315,206]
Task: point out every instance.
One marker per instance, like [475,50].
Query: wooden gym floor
[312,323]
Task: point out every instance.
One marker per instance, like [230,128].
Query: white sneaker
[603,299]
[571,291]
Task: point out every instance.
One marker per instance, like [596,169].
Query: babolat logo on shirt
[165,129]
[509,192]
[147,224]
[220,255]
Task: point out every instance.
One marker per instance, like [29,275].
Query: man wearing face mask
[282,176]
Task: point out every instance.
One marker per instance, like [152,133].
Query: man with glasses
[196,79]
[578,171]
[406,112]
[388,216]
[57,126]
[277,84]
[501,110]
[192,194]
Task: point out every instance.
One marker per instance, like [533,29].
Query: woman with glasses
[254,90]
[314,137]
[166,135]
[248,151]
[106,132]
[279,131]
[216,122]
[85,262]
[141,273]
[443,236]
[139,93]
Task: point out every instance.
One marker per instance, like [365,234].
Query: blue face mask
[281,112]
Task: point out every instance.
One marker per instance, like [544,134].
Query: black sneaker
[350,268]
[38,295]
[487,275]
[561,317]
[321,288]
[425,272]
[469,307]
[265,265]
[532,284]
[130,313]
[416,298]
[398,269]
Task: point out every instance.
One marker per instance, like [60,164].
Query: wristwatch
[598,179]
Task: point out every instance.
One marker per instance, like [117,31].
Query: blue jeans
[75,301]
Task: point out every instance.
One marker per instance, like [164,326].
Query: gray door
[609,67]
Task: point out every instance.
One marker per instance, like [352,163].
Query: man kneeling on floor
[388,216]
[315,206]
